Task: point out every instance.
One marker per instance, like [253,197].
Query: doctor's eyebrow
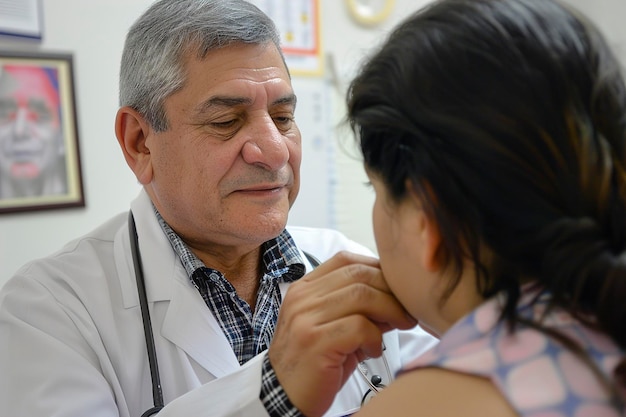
[291,99]
[227,101]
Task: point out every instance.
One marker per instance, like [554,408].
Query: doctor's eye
[284,123]
[224,124]
[224,128]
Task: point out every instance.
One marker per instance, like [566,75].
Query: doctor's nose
[265,146]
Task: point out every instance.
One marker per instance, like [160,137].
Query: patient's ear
[132,131]
[432,245]
[429,233]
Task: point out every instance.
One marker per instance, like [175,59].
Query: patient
[493,133]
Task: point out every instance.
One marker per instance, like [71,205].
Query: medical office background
[333,192]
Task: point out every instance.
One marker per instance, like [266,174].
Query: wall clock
[370,12]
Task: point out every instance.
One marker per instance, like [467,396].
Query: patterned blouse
[536,374]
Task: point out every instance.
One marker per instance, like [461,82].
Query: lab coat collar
[160,262]
[188,322]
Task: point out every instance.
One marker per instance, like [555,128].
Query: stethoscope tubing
[157,392]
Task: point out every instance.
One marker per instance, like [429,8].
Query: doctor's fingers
[342,259]
[315,305]
[313,363]
[333,341]
[342,270]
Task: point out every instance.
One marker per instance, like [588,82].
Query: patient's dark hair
[508,117]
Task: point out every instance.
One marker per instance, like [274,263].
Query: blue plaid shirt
[249,332]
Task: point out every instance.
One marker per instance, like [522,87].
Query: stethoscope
[374,382]
[157,392]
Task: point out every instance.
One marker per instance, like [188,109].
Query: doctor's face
[227,168]
[29,123]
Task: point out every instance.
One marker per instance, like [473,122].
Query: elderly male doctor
[207,125]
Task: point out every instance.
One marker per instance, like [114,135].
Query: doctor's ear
[132,131]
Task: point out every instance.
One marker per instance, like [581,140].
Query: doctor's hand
[330,320]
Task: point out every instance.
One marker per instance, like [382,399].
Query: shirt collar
[281,257]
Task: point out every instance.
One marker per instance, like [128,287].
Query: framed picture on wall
[39,151]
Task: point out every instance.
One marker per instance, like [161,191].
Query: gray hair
[152,61]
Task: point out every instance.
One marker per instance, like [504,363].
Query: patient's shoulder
[436,392]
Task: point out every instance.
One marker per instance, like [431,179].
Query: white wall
[346,49]
[93,31]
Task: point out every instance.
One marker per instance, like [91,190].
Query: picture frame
[40,167]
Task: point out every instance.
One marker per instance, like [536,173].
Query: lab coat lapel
[190,325]
[158,259]
[188,322]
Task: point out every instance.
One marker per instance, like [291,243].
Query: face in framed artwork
[32,155]
[39,162]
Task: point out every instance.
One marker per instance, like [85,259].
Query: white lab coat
[72,341]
